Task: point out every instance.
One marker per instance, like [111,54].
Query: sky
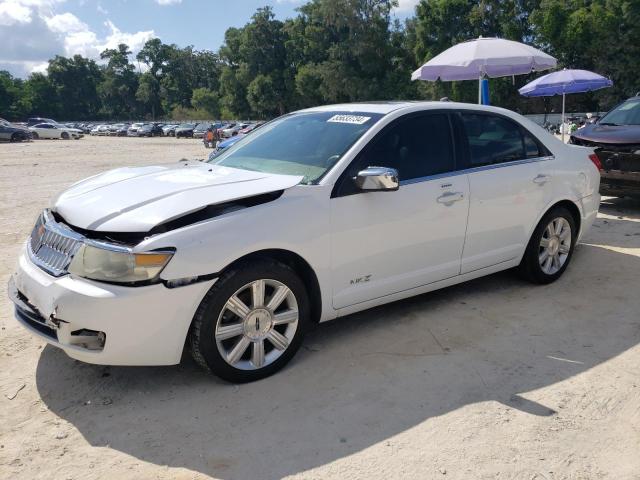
[33,31]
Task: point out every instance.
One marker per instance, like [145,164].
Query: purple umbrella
[484,57]
[563,82]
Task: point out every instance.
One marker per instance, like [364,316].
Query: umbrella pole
[480,90]
[562,124]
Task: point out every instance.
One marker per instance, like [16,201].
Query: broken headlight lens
[118,265]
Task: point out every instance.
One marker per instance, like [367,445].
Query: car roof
[387,107]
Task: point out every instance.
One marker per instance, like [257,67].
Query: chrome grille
[53,245]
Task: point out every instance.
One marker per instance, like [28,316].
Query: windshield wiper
[610,124]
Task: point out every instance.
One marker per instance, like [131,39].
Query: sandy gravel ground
[493,379]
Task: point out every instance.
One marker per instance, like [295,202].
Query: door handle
[542,179]
[449,198]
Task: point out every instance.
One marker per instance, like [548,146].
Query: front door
[387,242]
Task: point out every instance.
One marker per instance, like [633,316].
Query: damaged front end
[52,327]
[620,175]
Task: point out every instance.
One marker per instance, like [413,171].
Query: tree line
[334,51]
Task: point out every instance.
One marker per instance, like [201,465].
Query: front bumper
[140,325]
[618,183]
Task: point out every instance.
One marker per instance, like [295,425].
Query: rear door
[510,184]
[387,242]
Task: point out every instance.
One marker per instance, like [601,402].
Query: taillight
[596,161]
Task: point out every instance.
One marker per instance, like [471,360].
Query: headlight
[118,265]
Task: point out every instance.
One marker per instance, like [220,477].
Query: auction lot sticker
[355,119]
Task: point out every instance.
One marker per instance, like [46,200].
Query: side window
[417,146]
[493,139]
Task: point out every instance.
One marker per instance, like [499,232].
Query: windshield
[187,125]
[306,143]
[627,113]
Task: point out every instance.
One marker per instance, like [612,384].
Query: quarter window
[531,147]
[493,139]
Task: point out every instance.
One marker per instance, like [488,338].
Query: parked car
[50,130]
[250,128]
[100,130]
[200,129]
[118,130]
[169,130]
[133,129]
[13,133]
[366,204]
[233,129]
[36,120]
[150,130]
[616,140]
[185,130]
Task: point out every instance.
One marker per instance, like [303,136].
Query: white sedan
[51,130]
[318,214]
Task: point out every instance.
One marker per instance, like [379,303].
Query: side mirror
[377,179]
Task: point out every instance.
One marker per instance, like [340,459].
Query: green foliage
[10,101]
[181,113]
[334,51]
[206,100]
[119,85]
[598,35]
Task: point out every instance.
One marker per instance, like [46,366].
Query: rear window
[493,139]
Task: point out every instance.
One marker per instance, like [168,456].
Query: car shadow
[621,226]
[362,379]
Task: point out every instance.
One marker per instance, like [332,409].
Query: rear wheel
[550,248]
[35,136]
[251,322]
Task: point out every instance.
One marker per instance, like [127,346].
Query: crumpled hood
[137,199]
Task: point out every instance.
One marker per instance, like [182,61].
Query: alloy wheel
[257,324]
[555,246]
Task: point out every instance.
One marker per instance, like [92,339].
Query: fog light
[89,339]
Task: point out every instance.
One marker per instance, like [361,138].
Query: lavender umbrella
[563,82]
[491,57]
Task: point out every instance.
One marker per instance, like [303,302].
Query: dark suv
[616,140]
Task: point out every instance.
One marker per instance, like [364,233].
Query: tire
[539,264]
[35,136]
[15,138]
[211,346]
[64,136]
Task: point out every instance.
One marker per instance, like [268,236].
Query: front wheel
[550,248]
[251,322]
[65,136]
[35,136]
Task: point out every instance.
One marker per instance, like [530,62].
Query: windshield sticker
[354,119]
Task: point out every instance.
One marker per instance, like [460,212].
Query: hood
[138,199]
[614,134]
